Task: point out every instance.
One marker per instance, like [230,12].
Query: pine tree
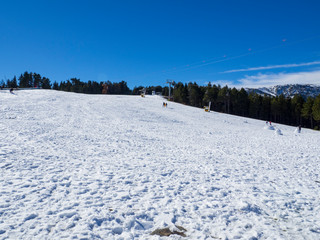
[194,94]
[23,81]
[45,83]
[177,95]
[180,93]
[297,104]
[211,95]
[243,102]
[316,108]
[266,108]
[55,86]
[275,109]
[37,81]
[306,111]
[165,91]
[282,108]
[12,83]
[255,105]
[124,89]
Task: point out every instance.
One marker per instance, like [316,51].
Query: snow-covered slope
[80,166]
[288,90]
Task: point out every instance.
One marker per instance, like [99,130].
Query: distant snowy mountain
[289,90]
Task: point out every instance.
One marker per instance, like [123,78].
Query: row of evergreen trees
[92,87]
[291,111]
[27,80]
[34,80]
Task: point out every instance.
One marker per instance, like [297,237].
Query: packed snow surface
[77,166]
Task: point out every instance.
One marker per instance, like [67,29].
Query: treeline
[27,80]
[34,80]
[291,111]
[92,87]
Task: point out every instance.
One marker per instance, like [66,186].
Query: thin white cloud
[274,67]
[267,80]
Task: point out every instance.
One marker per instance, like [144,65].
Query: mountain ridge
[288,90]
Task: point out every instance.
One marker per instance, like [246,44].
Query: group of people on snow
[298,130]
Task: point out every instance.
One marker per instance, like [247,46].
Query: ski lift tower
[170,82]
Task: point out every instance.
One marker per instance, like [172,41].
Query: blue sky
[239,43]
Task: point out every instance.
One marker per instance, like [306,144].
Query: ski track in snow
[77,166]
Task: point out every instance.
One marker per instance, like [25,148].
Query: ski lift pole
[169,81]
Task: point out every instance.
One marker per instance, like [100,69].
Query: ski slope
[77,166]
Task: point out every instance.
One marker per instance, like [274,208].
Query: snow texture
[77,166]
